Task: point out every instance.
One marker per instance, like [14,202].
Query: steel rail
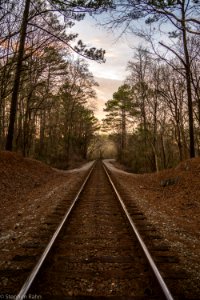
[26,286]
[151,262]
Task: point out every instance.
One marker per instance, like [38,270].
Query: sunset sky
[109,75]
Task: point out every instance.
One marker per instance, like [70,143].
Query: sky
[111,74]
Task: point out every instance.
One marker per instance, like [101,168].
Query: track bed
[96,253]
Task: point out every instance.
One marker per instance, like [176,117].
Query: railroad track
[97,251]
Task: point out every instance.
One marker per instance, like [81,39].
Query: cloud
[118,52]
[111,74]
[117,56]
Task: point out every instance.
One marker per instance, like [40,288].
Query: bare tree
[68,10]
[182,16]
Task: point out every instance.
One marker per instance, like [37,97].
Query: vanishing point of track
[96,251]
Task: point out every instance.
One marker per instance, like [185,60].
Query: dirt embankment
[170,199]
[29,193]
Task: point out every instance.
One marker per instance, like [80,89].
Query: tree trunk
[123,132]
[14,99]
[42,132]
[155,158]
[179,142]
[123,135]
[188,84]
[163,151]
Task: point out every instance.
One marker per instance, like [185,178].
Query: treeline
[157,111]
[44,91]
[148,116]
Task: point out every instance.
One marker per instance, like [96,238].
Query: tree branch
[173,51]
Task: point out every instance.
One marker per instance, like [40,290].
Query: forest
[157,110]
[44,90]
[46,87]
